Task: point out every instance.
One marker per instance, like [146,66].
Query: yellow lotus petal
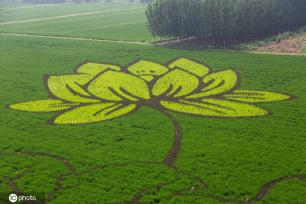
[42,106]
[70,87]
[215,108]
[147,78]
[118,86]
[94,113]
[190,66]
[96,68]
[252,96]
[144,67]
[175,83]
[217,83]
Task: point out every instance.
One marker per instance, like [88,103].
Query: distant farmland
[102,21]
[252,160]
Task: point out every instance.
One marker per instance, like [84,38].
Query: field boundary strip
[36,6]
[134,42]
[75,38]
[50,4]
[259,53]
[272,53]
[67,16]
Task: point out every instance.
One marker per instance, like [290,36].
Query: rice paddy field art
[141,123]
[99,92]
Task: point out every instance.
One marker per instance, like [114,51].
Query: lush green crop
[235,157]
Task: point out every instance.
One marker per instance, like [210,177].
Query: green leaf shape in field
[215,108]
[251,96]
[42,106]
[175,83]
[94,113]
[99,92]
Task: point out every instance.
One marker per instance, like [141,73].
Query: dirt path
[75,38]
[172,155]
[67,16]
[265,190]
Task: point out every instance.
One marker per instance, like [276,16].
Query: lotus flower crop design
[99,92]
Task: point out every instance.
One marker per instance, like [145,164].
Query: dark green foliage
[225,21]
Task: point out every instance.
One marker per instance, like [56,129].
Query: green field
[119,161]
[112,21]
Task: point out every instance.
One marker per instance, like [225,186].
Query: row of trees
[225,21]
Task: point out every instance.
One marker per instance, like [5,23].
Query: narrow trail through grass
[36,6]
[75,38]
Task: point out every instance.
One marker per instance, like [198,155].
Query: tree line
[225,21]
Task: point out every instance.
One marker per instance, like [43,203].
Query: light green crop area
[99,21]
[110,161]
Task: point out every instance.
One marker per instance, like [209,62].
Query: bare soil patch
[295,44]
[292,45]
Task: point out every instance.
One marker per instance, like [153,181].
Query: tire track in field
[67,16]
[75,38]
